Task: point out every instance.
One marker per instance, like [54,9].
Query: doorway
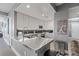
[74,28]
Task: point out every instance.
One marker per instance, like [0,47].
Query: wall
[65,11]
[11,34]
[61,15]
[74,22]
[3,13]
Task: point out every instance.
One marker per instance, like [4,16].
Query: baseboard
[17,54]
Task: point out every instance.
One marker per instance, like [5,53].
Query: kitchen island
[33,47]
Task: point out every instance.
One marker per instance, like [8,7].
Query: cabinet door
[19,21]
[26,23]
[32,23]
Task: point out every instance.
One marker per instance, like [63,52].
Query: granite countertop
[36,44]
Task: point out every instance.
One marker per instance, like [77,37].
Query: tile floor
[5,50]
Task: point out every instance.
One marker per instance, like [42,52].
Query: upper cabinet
[26,22]
[20,22]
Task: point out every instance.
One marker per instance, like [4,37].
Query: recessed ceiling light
[43,14]
[78,13]
[28,6]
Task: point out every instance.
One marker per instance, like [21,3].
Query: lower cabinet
[42,50]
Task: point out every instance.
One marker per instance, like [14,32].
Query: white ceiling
[5,7]
[36,10]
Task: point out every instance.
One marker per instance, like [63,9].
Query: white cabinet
[25,22]
[20,21]
[32,23]
[29,22]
